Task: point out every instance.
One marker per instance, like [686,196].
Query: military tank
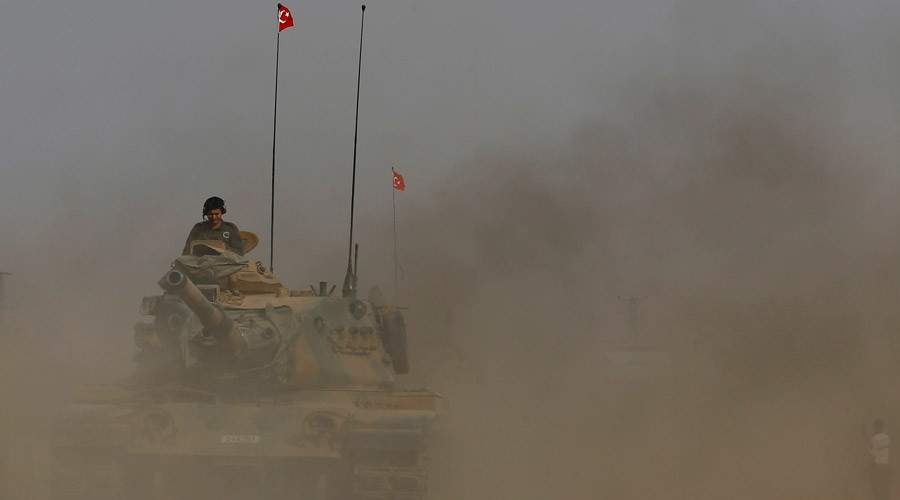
[245,388]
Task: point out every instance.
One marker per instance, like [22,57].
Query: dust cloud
[734,165]
[765,250]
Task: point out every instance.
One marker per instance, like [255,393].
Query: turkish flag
[285,19]
[398,181]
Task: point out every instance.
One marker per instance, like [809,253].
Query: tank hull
[304,444]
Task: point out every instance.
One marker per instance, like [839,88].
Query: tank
[244,388]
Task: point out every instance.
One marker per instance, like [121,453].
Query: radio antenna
[349,288]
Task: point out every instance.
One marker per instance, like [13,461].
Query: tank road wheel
[88,474]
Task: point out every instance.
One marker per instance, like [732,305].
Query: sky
[158,106]
[734,162]
[154,107]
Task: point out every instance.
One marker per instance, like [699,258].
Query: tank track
[101,474]
[94,475]
[390,479]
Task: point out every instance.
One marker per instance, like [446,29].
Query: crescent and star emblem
[283,15]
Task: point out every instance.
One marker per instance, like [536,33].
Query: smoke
[735,164]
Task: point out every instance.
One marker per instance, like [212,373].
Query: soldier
[214,228]
[879,462]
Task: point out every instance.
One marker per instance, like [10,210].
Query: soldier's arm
[187,243]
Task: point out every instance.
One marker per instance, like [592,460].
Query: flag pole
[274,130]
[349,288]
[396,264]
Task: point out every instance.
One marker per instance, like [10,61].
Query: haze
[735,163]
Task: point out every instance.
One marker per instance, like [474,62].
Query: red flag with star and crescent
[398,181]
[285,19]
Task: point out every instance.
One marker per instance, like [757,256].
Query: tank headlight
[159,428]
[321,429]
[321,423]
[357,309]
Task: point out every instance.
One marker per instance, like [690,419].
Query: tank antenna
[349,288]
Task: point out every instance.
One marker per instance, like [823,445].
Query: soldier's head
[213,210]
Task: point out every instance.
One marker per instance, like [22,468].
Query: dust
[768,267]
[733,163]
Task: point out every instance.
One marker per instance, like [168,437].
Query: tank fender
[395,341]
[92,426]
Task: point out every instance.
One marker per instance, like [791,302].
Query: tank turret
[241,326]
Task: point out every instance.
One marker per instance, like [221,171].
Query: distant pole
[633,313]
[274,131]
[285,20]
[396,262]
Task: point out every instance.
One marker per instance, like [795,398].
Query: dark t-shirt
[227,232]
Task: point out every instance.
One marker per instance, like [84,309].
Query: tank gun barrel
[214,320]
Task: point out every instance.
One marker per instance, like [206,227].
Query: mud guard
[395,341]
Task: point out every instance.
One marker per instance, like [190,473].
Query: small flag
[285,19]
[398,181]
